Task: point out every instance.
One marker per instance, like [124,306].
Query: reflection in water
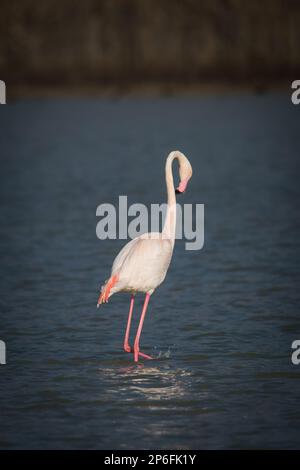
[151,382]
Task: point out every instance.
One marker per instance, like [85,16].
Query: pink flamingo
[142,265]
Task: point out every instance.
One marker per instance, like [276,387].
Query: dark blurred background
[166,46]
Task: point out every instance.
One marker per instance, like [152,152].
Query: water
[220,327]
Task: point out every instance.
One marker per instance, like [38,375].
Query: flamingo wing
[141,266]
[120,258]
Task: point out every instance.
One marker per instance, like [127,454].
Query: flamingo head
[185,173]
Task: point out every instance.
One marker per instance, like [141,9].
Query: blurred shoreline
[148,47]
[153,89]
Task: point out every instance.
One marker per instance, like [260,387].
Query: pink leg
[127,347]
[137,338]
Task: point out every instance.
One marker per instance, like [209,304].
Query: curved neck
[170,221]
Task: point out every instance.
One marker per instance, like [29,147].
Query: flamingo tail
[106,290]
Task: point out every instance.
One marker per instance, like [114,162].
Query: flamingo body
[141,266]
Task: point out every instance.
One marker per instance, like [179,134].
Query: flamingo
[142,264]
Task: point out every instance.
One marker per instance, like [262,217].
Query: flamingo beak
[182,186]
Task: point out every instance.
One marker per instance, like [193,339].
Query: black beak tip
[178,192]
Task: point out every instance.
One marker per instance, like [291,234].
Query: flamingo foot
[145,356]
[128,349]
[141,354]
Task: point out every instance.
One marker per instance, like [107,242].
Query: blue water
[220,327]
